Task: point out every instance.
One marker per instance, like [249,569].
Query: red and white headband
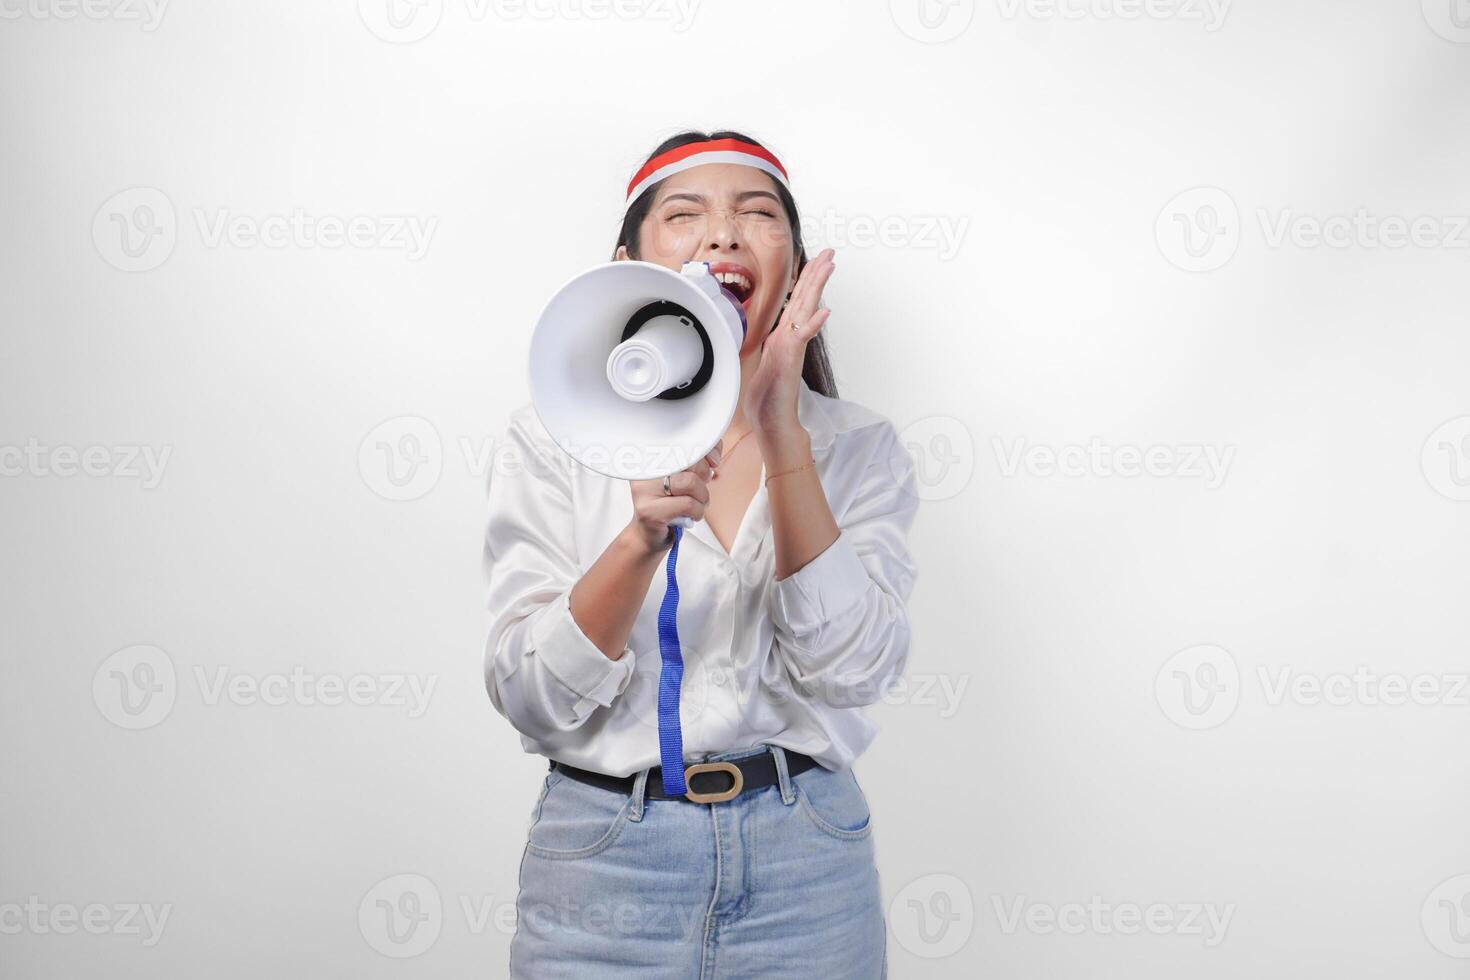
[709,151]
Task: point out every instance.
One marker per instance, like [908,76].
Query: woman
[792,589]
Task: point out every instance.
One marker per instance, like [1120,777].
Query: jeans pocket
[575,820]
[834,802]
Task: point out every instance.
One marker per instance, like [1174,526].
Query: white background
[1076,765]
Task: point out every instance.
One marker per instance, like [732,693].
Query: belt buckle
[720,797]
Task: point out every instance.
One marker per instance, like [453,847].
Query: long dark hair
[816,369]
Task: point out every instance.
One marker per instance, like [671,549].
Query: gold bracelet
[808,463]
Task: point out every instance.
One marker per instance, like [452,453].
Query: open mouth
[739,280]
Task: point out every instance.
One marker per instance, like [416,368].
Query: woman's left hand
[770,398]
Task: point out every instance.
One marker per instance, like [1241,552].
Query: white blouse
[791,663]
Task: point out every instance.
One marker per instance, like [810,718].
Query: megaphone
[635,368]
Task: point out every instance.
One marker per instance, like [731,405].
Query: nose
[722,234]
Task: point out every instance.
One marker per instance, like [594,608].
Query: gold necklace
[724,457]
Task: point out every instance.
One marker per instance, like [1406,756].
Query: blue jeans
[777,882]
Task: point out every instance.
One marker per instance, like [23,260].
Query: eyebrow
[699,198]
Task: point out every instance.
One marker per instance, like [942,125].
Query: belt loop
[639,784]
[783,778]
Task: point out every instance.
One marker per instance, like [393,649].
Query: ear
[622,254]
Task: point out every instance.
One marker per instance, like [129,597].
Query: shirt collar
[812,412]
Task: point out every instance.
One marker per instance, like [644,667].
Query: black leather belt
[736,776]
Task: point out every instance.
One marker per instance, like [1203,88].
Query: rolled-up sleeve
[542,672]
[842,627]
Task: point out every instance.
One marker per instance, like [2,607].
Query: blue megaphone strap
[671,677]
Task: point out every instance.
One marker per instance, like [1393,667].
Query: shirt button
[718,676]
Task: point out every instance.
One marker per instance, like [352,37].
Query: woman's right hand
[688,497]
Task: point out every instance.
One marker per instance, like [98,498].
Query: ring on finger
[667,491]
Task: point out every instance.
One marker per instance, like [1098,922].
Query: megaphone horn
[635,368]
